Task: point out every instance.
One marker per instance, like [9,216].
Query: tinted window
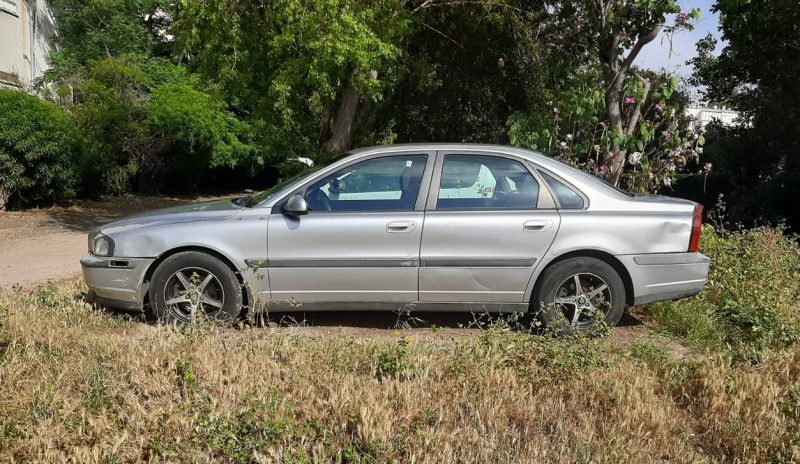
[381,184]
[486,182]
[567,198]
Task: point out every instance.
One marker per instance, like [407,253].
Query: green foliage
[146,119]
[749,305]
[95,29]
[393,362]
[289,64]
[198,122]
[755,72]
[38,149]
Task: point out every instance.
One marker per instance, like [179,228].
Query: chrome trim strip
[381,262]
[682,282]
[662,259]
[477,262]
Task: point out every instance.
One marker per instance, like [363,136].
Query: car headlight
[100,245]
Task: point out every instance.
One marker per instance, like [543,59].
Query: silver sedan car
[440,227]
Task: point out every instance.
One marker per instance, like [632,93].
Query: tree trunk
[342,135]
[616,160]
[4,196]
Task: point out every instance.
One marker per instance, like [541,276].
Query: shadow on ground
[375,320]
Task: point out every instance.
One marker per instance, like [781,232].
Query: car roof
[582,180]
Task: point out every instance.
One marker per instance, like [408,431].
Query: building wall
[27,28]
[704,115]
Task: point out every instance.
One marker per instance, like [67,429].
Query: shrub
[749,304]
[38,149]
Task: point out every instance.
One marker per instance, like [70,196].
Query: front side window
[381,184]
[486,182]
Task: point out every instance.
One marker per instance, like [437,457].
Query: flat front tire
[192,286]
[577,294]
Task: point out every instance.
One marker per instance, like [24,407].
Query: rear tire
[191,286]
[577,294]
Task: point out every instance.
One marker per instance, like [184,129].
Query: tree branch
[637,112]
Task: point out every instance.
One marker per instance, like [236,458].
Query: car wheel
[192,286]
[577,294]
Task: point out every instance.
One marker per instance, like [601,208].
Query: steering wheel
[319,200]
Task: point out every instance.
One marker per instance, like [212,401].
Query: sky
[656,54]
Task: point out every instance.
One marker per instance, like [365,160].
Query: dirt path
[37,246]
[43,245]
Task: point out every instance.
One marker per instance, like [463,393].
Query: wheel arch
[607,258]
[246,292]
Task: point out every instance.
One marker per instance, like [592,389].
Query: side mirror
[296,206]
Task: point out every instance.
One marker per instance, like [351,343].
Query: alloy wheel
[192,291]
[583,299]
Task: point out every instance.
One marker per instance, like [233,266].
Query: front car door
[359,244]
[489,221]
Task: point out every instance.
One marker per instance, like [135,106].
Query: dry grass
[80,385]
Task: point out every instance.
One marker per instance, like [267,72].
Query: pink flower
[659,108]
[707,168]
[602,169]
[501,62]
[682,16]
[666,135]
[629,101]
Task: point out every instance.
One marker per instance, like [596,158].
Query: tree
[622,29]
[605,115]
[758,162]
[303,68]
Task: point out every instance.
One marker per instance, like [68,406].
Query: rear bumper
[666,276]
[116,282]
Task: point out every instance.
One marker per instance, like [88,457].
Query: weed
[393,361]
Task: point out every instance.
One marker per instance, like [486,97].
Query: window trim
[277,208]
[544,202]
[10,6]
[569,185]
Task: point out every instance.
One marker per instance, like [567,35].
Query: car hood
[192,212]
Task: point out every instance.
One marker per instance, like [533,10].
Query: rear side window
[567,198]
[486,182]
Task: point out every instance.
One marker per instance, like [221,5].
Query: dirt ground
[45,245]
[41,245]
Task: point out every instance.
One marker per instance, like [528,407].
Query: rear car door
[360,241]
[488,222]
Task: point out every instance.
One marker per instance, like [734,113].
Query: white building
[704,115]
[27,28]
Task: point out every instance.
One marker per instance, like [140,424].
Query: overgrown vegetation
[82,384]
[749,306]
[38,148]
[167,95]
[132,392]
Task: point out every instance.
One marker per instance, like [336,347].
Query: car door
[360,241]
[488,222]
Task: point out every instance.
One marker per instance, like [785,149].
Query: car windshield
[262,197]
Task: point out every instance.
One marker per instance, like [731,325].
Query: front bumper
[116,282]
[666,276]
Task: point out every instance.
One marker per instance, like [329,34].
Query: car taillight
[697,225]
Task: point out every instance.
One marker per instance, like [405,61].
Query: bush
[749,304]
[38,149]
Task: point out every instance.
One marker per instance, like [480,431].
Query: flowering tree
[614,119]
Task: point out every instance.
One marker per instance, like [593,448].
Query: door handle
[401,226]
[537,226]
